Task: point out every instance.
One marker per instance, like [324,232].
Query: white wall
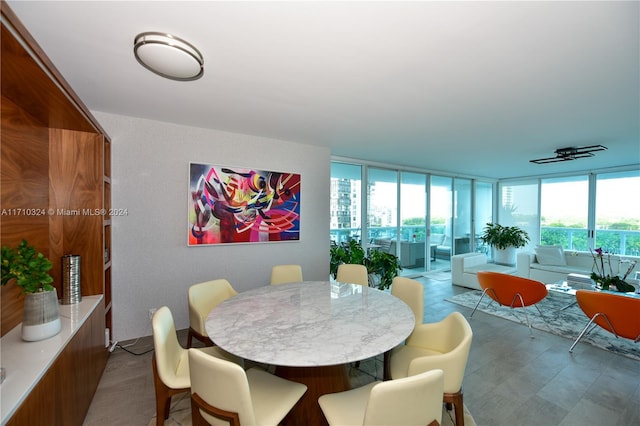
[152,265]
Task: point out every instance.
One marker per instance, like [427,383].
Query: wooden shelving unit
[55,183]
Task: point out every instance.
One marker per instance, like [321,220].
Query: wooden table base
[319,381]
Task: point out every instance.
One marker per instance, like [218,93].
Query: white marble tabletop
[310,324]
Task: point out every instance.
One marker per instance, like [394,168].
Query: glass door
[483,214]
[413,224]
[462,217]
[382,210]
[441,216]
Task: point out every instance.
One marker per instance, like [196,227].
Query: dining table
[310,332]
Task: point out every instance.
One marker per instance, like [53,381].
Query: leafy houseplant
[28,266]
[378,263]
[503,237]
[505,240]
[30,270]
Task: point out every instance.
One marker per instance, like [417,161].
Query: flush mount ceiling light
[168,56]
[572,153]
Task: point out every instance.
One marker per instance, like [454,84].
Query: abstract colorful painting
[236,205]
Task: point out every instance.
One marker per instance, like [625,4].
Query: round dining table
[310,331]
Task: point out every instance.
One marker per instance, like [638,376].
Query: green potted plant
[380,265]
[505,240]
[30,271]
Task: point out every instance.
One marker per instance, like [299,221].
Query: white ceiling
[473,88]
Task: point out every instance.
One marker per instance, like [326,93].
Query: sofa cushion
[560,268]
[550,255]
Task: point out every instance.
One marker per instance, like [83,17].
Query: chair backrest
[410,292]
[623,312]
[354,274]
[413,400]
[451,338]
[222,384]
[283,274]
[504,287]
[168,352]
[203,297]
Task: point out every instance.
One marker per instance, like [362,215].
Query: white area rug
[567,322]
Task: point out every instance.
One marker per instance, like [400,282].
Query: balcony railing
[614,241]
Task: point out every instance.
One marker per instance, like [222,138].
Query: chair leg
[584,331]
[163,395]
[457,400]
[524,308]
[477,304]
[189,338]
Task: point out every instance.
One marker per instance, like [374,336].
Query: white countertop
[26,362]
[310,323]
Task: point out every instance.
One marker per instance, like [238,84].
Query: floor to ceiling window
[382,209]
[345,202]
[617,212]
[482,213]
[413,222]
[462,216]
[564,212]
[519,207]
[441,214]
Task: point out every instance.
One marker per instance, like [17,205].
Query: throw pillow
[550,255]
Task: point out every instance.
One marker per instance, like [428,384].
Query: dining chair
[410,401]
[352,273]
[203,297]
[411,292]
[618,314]
[442,345]
[224,393]
[284,274]
[512,291]
[170,362]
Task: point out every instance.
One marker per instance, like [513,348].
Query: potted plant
[382,267]
[30,271]
[505,240]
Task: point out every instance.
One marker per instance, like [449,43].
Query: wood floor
[510,379]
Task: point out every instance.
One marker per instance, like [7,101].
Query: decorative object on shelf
[30,270]
[609,281]
[168,56]
[505,240]
[382,267]
[71,289]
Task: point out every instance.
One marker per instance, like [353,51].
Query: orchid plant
[608,280]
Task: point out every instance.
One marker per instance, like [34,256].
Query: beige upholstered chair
[410,292]
[171,362]
[203,298]
[413,400]
[443,345]
[283,274]
[224,393]
[354,274]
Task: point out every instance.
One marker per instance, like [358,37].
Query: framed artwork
[235,205]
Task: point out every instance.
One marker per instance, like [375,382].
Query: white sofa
[578,262]
[464,268]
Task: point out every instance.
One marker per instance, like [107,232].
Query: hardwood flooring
[510,379]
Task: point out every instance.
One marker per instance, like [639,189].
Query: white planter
[505,257]
[41,318]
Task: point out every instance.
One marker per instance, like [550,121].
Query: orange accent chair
[615,313]
[512,291]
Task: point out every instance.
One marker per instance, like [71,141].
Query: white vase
[505,256]
[41,318]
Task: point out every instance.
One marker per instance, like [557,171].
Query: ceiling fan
[572,153]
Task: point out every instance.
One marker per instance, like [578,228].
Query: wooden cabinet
[55,192]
